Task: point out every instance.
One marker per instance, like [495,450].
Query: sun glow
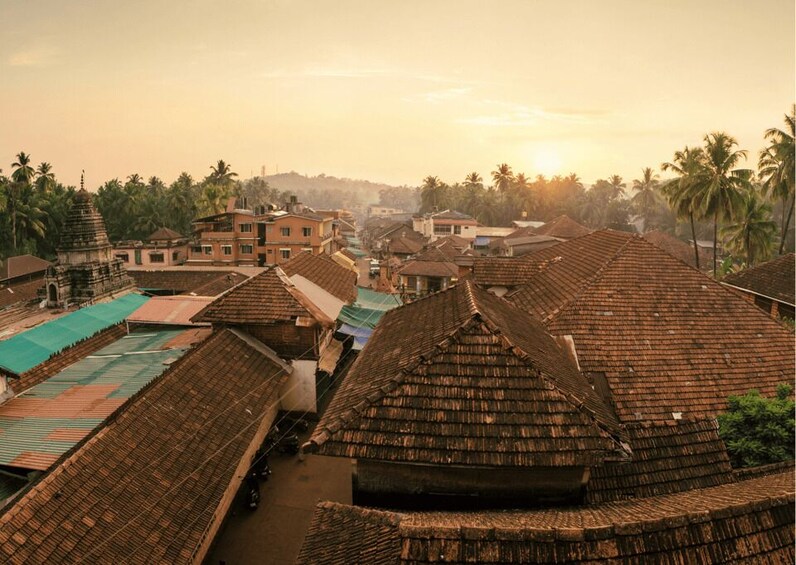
[547,162]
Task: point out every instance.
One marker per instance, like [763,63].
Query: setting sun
[547,163]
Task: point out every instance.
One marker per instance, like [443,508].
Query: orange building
[241,237]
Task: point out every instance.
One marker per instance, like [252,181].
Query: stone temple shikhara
[86,269]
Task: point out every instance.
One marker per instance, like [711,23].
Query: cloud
[438,96]
[506,114]
[41,56]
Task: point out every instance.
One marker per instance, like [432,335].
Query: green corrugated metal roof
[28,349]
[125,366]
[368,309]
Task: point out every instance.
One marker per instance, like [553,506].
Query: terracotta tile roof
[563,227]
[323,271]
[749,521]
[456,241]
[185,281]
[117,499]
[483,384]
[220,284]
[404,246]
[66,357]
[666,457]
[667,338]
[773,279]
[165,234]
[501,271]
[22,265]
[348,254]
[263,299]
[19,292]
[429,269]
[678,248]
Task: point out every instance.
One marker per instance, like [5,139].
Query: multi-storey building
[243,237]
[442,224]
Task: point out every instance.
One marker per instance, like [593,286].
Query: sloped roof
[405,397]
[185,281]
[429,269]
[563,227]
[501,271]
[40,424]
[456,241]
[263,299]
[165,234]
[677,248]
[20,292]
[66,357]
[117,499]
[772,279]
[25,350]
[169,310]
[667,338]
[667,457]
[21,265]
[323,271]
[404,246]
[748,521]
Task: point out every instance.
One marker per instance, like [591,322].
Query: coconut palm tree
[720,185]
[432,194]
[45,178]
[222,173]
[776,168]
[752,230]
[24,173]
[473,179]
[502,177]
[617,185]
[681,192]
[646,195]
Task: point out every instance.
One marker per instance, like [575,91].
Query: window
[156,257]
[284,253]
[306,232]
[245,228]
[457,230]
[246,248]
[175,256]
[285,232]
[270,251]
[138,260]
[196,248]
[207,249]
[123,256]
[442,229]
[226,250]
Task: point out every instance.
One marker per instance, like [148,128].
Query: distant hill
[331,192]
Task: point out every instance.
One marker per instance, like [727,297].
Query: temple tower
[86,269]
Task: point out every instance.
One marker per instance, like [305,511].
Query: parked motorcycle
[283,443]
[253,490]
[261,466]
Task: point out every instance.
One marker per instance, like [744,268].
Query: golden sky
[386,91]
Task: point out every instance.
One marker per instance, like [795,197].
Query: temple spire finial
[82,185]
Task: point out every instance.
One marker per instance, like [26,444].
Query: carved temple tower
[86,269]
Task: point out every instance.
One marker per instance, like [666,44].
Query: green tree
[646,195]
[776,167]
[502,177]
[759,430]
[682,192]
[752,230]
[720,184]
[432,194]
[222,174]
[45,178]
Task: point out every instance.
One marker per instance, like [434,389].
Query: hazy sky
[387,91]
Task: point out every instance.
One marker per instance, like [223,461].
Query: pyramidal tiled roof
[84,227]
[773,279]
[483,384]
[563,227]
[670,341]
[165,234]
[263,299]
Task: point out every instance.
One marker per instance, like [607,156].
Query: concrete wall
[298,393]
